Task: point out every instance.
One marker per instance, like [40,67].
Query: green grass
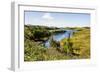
[81,40]
[77,47]
[80,43]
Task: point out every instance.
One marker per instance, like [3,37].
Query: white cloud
[47,16]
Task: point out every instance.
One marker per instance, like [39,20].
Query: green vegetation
[81,43]
[75,47]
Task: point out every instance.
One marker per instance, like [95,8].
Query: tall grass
[76,47]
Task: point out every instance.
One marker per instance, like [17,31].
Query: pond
[59,37]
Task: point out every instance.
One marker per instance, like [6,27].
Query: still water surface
[59,37]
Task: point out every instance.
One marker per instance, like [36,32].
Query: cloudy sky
[57,19]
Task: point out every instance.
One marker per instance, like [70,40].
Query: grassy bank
[80,43]
[76,47]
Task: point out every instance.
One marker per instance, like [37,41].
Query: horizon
[54,26]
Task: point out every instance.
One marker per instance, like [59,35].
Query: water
[59,37]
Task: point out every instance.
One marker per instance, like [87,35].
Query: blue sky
[57,19]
